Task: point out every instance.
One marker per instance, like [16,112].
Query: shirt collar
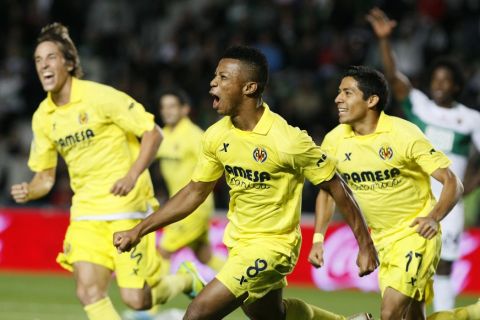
[384,124]
[265,122]
[75,96]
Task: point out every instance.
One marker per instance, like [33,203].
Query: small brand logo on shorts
[260,154]
[252,271]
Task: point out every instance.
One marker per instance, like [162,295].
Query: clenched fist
[124,241]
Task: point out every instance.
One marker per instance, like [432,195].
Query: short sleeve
[426,156]
[208,167]
[128,114]
[310,160]
[43,154]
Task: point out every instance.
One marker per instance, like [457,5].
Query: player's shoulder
[217,129]
[404,129]
[99,92]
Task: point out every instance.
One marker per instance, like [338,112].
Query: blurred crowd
[143,46]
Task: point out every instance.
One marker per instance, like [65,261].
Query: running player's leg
[452,228]
[92,282]
[214,302]
[406,275]
[396,305]
[87,253]
[272,306]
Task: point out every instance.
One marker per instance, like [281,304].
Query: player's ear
[250,88]
[372,101]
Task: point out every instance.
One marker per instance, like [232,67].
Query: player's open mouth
[216,100]
[47,76]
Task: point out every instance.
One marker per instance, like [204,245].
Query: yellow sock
[102,310]
[170,286]
[297,309]
[216,263]
[471,312]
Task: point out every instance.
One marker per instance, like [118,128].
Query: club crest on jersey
[260,154]
[385,152]
[83,118]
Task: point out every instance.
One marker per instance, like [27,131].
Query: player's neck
[62,96]
[365,126]
[248,117]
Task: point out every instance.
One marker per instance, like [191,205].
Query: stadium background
[144,46]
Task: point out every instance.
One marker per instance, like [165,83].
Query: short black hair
[179,93]
[58,33]
[255,60]
[370,82]
[455,69]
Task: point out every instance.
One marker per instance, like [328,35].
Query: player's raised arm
[148,149]
[178,207]
[41,184]
[367,260]
[383,27]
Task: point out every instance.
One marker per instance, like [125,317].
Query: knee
[138,304]
[137,300]
[90,294]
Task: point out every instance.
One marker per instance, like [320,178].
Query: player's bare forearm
[148,149]
[324,209]
[40,185]
[348,206]
[451,192]
[178,207]
[182,204]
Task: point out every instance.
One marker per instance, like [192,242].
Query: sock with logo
[297,309]
[170,286]
[444,298]
[102,310]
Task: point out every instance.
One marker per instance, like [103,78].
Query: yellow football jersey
[388,172]
[96,133]
[178,156]
[265,170]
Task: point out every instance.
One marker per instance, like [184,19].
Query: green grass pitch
[52,297]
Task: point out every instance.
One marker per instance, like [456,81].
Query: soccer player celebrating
[264,161]
[387,163]
[449,125]
[95,128]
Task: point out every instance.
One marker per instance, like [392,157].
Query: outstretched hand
[124,241]
[316,255]
[381,24]
[427,227]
